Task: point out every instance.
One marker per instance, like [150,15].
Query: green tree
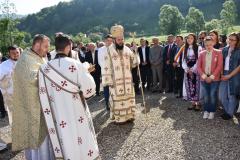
[9,34]
[213,24]
[228,15]
[95,37]
[80,37]
[170,20]
[194,20]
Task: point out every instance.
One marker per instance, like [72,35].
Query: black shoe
[160,91]
[197,108]
[225,116]
[2,115]
[178,96]
[107,108]
[191,108]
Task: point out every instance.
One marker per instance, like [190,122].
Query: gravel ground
[169,131]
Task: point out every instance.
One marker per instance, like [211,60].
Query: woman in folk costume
[116,73]
[64,83]
[191,83]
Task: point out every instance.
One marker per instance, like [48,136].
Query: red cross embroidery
[56,87]
[72,68]
[90,153]
[106,69]
[47,111]
[122,104]
[64,83]
[51,99]
[121,90]
[42,90]
[79,140]
[46,70]
[81,119]
[89,91]
[128,89]
[57,150]
[51,131]
[75,96]
[106,79]
[53,85]
[63,124]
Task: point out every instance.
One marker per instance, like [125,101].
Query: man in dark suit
[168,59]
[145,66]
[81,54]
[178,70]
[92,58]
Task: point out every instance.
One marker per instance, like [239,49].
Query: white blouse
[189,54]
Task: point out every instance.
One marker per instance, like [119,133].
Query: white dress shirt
[144,53]
[190,53]
[93,57]
[226,66]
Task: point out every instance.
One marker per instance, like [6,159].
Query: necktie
[169,49]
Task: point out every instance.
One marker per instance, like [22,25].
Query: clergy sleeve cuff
[212,77]
[204,76]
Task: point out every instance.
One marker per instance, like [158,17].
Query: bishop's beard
[119,47]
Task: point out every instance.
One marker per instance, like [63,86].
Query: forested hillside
[89,16]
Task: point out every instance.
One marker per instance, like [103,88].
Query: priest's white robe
[116,73]
[65,110]
[6,85]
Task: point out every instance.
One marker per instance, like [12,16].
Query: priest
[116,74]
[73,54]
[29,130]
[64,83]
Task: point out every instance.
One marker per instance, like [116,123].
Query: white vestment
[116,73]
[44,152]
[6,85]
[66,113]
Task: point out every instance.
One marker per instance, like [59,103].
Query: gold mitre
[117,31]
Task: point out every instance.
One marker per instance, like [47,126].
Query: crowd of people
[44,93]
[178,66]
